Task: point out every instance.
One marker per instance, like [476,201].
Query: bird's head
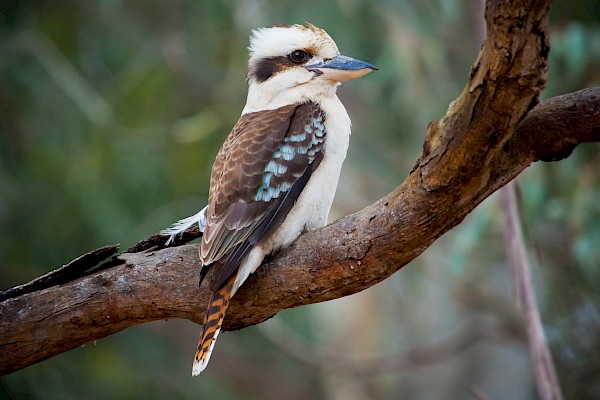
[296,63]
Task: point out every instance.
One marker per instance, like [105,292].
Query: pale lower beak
[341,68]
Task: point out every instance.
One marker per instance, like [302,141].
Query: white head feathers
[282,39]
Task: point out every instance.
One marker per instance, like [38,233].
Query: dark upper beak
[341,68]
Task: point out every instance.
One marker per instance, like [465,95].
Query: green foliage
[110,116]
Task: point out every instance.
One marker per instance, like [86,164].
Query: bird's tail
[219,301]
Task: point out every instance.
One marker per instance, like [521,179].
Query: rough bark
[490,133]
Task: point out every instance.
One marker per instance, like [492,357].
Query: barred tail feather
[213,319]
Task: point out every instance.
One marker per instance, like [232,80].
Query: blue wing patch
[303,145]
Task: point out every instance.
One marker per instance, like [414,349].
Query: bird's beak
[341,68]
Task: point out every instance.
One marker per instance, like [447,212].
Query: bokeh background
[111,113]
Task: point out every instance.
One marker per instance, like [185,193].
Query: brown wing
[259,173]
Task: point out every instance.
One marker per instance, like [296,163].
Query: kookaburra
[276,174]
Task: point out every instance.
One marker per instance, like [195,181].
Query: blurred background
[111,113]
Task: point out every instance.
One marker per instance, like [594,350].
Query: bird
[276,174]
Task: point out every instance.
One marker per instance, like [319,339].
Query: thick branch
[475,147]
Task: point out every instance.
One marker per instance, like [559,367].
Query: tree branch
[543,366]
[488,136]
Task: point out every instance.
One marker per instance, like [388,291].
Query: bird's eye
[298,56]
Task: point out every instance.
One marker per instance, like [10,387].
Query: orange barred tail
[219,301]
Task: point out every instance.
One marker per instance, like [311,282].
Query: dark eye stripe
[265,68]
